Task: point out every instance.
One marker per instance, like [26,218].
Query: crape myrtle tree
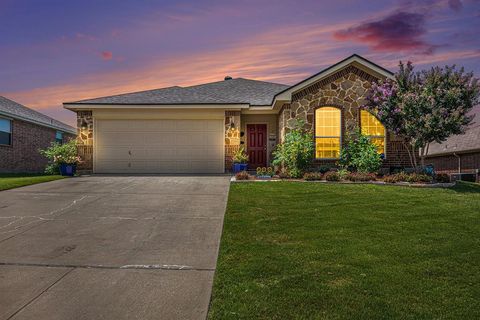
[426,106]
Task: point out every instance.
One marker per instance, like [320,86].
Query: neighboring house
[196,129]
[459,153]
[22,132]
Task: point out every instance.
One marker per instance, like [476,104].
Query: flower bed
[343,176]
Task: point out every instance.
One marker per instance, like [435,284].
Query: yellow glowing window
[374,129]
[327,133]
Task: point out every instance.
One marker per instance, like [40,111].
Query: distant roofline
[64,127]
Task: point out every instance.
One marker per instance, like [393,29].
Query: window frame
[340,137]
[56,139]
[372,136]
[11,132]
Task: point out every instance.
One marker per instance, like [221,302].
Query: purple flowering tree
[423,107]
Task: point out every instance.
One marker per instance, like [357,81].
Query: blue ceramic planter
[68,169]
[237,167]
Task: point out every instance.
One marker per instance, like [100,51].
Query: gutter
[459,162]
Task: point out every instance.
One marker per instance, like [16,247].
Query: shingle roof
[462,142]
[233,91]
[14,110]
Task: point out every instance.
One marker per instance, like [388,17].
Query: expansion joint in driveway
[99,266]
[38,295]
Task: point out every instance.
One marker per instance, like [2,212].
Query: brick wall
[449,163]
[22,155]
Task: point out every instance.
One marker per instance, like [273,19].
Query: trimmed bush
[312,176]
[397,177]
[419,177]
[332,176]
[442,178]
[359,176]
[242,175]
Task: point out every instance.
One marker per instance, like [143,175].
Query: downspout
[459,162]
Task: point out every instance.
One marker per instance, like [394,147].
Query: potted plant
[62,158]
[240,159]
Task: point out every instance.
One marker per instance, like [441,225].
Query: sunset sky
[57,51]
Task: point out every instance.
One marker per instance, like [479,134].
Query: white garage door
[159,146]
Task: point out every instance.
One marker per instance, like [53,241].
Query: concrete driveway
[111,247]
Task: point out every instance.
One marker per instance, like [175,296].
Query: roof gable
[354,63]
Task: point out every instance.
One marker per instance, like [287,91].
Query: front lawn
[293,250]
[10,181]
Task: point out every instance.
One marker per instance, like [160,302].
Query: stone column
[232,136]
[85,140]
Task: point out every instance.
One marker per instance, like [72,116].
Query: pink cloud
[398,31]
[107,55]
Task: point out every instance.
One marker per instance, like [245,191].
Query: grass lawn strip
[15,181]
[293,250]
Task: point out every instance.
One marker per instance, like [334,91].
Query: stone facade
[346,90]
[22,155]
[232,136]
[85,140]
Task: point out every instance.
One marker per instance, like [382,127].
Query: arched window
[327,133]
[374,129]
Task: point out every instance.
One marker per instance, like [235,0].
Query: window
[374,129]
[59,137]
[5,131]
[327,133]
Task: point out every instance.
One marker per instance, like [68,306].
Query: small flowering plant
[58,154]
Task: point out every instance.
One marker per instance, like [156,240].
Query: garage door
[159,146]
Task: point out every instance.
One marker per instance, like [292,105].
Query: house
[22,132]
[459,153]
[196,129]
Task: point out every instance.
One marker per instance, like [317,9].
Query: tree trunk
[415,166]
[405,145]
[424,154]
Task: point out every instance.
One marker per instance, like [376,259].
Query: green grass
[335,251]
[10,181]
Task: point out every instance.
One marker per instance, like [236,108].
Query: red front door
[257,145]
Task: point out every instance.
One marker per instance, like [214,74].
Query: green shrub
[242,175]
[240,156]
[396,177]
[360,154]
[332,176]
[283,174]
[343,173]
[60,154]
[442,178]
[419,177]
[296,152]
[312,176]
[360,176]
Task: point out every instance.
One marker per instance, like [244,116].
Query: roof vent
[228,78]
